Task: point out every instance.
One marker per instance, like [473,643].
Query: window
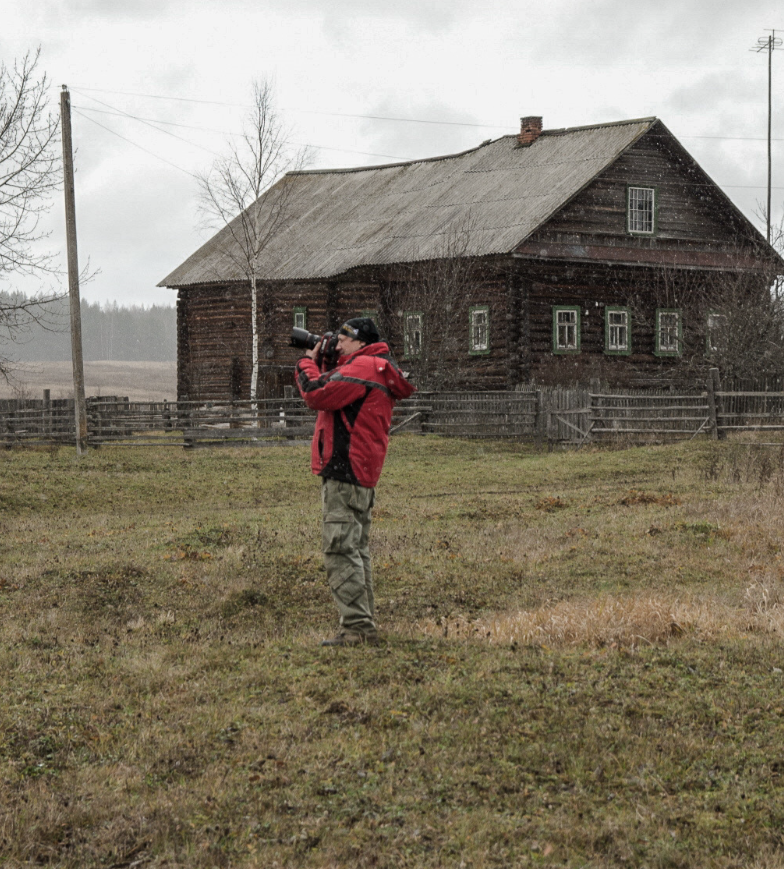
[412,333]
[617,331]
[300,317]
[669,330]
[715,333]
[641,210]
[479,329]
[566,330]
[373,315]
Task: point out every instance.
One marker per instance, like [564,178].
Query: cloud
[647,35]
[725,101]
[108,9]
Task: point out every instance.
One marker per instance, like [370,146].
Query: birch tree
[229,195]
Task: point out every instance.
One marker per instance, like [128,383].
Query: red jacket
[355,403]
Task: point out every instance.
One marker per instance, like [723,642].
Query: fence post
[714,385]
[538,431]
[720,433]
[47,414]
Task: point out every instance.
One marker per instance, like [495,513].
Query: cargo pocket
[344,585]
[335,534]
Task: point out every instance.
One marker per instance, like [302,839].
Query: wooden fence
[749,411]
[191,424]
[556,416]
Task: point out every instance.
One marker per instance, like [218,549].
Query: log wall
[214,359]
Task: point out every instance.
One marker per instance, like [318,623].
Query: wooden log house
[588,249]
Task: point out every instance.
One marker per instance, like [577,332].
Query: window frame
[557,349]
[372,315]
[654,210]
[616,351]
[711,347]
[473,349]
[658,331]
[407,352]
[300,310]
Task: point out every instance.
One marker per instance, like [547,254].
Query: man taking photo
[355,402]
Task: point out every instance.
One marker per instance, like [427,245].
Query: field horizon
[138,381]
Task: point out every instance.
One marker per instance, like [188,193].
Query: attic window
[641,210]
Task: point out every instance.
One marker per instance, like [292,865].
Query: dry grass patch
[623,622]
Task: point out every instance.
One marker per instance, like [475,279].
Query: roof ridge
[650,118]
[554,132]
[398,163]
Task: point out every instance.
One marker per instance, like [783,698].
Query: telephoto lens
[303,339]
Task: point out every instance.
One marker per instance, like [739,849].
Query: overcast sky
[372,81]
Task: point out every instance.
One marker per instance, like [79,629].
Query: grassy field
[583,663]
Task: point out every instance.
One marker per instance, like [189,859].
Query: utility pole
[769,44]
[80,407]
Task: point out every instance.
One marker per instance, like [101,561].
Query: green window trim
[413,326]
[666,329]
[635,214]
[478,331]
[373,315]
[566,329]
[617,323]
[300,317]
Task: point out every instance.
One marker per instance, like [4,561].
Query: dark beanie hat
[361,329]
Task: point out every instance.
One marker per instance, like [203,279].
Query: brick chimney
[530,130]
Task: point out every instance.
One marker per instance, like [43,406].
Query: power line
[135,144]
[152,125]
[113,110]
[163,159]
[350,115]
[299,111]
[154,121]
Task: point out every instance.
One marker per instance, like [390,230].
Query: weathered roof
[403,212]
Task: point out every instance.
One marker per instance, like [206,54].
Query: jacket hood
[393,377]
[396,383]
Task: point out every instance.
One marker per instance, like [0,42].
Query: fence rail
[557,415]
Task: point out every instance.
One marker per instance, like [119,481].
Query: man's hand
[312,354]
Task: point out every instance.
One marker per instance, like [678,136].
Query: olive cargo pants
[345,536]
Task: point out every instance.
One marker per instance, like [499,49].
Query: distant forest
[109,333]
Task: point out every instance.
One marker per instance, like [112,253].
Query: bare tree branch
[231,197]
[30,171]
[439,290]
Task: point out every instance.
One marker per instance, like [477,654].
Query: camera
[328,352]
